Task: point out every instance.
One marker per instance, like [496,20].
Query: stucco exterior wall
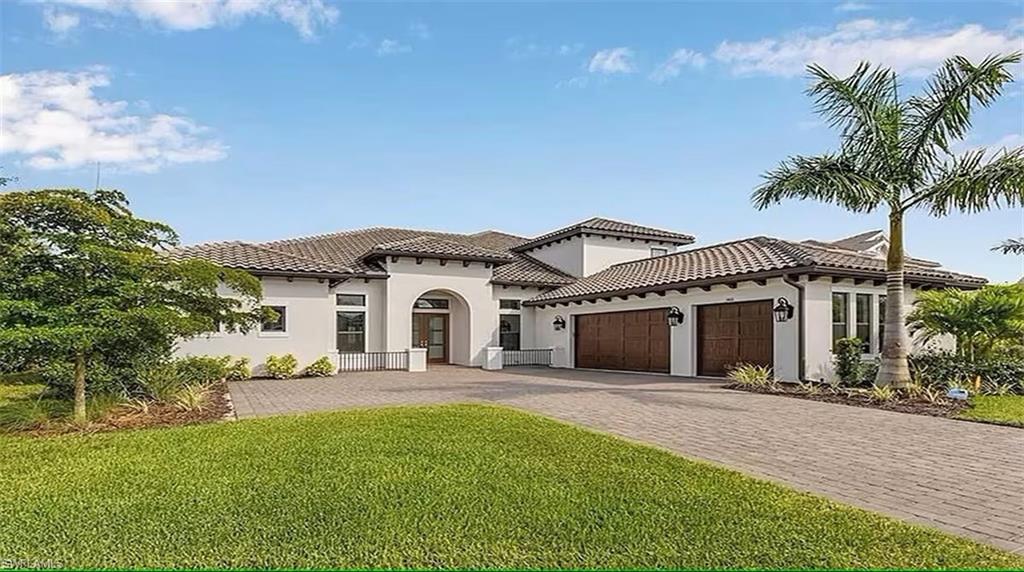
[309,334]
[683,337]
[566,256]
[600,252]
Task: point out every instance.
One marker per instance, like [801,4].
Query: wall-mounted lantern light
[783,310]
[558,323]
[675,316]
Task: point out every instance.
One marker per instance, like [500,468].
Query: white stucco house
[598,294]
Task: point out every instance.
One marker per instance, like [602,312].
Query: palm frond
[826,178]
[1010,246]
[865,107]
[942,114]
[972,183]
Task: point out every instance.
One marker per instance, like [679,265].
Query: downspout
[801,327]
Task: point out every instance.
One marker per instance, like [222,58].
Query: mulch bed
[216,408]
[942,408]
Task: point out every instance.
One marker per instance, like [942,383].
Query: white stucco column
[493,358]
[417,359]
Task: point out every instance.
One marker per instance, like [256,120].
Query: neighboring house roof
[871,243]
[257,258]
[745,259]
[427,246]
[606,227]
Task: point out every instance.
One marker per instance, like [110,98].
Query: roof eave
[375,254]
[537,243]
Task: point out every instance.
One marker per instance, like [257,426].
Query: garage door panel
[633,341]
[733,333]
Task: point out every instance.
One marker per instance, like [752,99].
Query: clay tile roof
[254,257]
[436,246]
[607,227]
[732,260]
[528,271]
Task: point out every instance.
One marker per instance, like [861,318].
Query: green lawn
[425,487]
[1007,409]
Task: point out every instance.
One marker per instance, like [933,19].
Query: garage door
[728,334]
[631,341]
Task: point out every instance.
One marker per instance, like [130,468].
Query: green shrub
[191,398]
[749,374]
[281,367]
[847,360]
[322,367]
[239,370]
[202,370]
[939,369]
[162,382]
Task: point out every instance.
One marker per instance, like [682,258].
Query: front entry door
[431,331]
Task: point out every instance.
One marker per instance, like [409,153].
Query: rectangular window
[864,322]
[509,324]
[432,304]
[881,321]
[351,331]
[658,251]
[280,324]
[840,316]
[351,300]
[508,304]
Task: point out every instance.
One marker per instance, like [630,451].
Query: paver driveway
[965,478]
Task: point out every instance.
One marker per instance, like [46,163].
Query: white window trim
[851,316]
[287,322]
[366,325]
[337,305]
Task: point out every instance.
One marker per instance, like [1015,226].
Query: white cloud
[388,47]
[420,30]
[1006,142]
[671,67]
[852,6]
[54,120]
[59,22]
[308,17]
[570,49]
[519,48]
[895,44]
[612,61]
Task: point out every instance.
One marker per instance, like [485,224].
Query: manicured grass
[1006,409]
[425,487]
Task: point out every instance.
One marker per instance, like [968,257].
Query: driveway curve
[961,477]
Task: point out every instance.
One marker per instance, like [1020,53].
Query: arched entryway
[440,324]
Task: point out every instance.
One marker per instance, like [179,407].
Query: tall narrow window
[351,331]
[509,324]
[864,322]
[881,322]
[840,316]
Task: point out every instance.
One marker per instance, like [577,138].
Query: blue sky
[277,118]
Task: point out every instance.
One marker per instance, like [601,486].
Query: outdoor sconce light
[675,316]
[783,310]
[559,323]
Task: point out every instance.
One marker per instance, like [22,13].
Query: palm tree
[1011,246]
[896,155]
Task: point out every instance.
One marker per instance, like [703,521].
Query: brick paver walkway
[965,478]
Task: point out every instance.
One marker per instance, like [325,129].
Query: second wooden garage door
[631,341]
[728,334]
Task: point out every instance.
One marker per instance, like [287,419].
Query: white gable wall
[566,255]
[600,252]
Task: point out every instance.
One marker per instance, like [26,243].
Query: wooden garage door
[632,341]
[728,334]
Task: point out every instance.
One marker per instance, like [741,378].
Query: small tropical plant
[751,375]
[809,388]
[202,370]
[847,359]
[985,322]
[161,382]
[239,370]
[896,155]
[882,393]
[322,367]
[281,367]
[191,398]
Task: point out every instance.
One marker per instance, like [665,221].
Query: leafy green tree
[982,321]
[896,154]
[80,275]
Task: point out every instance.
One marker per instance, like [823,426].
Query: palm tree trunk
[894,369]
[79,387]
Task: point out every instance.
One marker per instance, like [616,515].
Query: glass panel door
[438,338]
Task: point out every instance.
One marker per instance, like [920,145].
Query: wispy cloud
[679,59]
[60,22]
[852,6]
[55,120]
[896,44]
[389,47]
[612,61]
[308,17]
[420,30]
[519,48]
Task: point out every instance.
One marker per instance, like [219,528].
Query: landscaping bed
[456,486]
[920,406]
